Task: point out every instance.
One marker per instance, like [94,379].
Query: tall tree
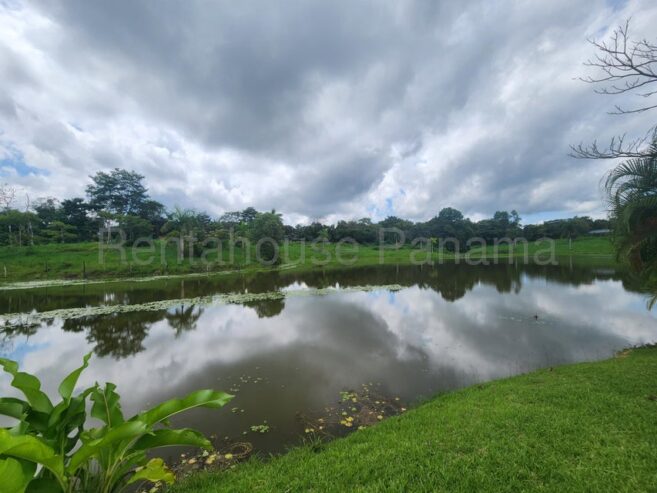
[267,226]
[120,192]
[78,213]
[154,212]
[450,214]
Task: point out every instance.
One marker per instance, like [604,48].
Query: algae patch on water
[32,318]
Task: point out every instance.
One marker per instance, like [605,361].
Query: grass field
[584,427]
[87,260]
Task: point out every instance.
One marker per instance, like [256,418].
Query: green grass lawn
[83,260]
[584,427]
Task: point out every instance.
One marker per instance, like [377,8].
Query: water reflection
[119,334]
[447,328]
[450,280]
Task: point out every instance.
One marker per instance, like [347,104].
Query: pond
[288,344]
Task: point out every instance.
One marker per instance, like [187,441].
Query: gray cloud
[319,109]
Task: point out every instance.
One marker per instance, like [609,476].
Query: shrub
[52,449]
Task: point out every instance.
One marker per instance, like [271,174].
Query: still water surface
[441,328]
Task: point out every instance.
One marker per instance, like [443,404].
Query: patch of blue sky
[539,217]
[392,298]
[76,126]
[16,161]
[21,349]
[378,214]
[390,207]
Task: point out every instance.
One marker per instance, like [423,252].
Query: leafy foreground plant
[51,450]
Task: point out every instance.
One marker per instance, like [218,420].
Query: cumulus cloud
[320,110]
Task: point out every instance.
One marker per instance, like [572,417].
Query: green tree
[267,228]
[48,210]
[153,212]
[78,213]
[60,232]
[120,192]
[189,228]
[450,214]
[16,227]
[135,227]
[632,190]
[248,215]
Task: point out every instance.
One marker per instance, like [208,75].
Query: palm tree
[632,191]
[182,225]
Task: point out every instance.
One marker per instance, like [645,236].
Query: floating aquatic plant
[14,319]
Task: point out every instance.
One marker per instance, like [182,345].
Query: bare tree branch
[7,195]
[618,147]
[626,65]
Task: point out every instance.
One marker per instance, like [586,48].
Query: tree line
[118,200]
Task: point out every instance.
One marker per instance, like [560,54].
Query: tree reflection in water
[184,318]
[122,334]
[118,335]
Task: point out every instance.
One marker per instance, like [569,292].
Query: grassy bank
[584,427]
[84,261]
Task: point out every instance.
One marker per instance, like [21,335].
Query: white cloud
[320,111]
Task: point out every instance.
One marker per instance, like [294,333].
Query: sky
[320,110]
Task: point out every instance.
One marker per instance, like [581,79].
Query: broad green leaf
[43,485]
[67,386]
[200,398]
[14,408]
[65,423]
[126,431]
[166,438]
[37,421]
[34,450]
[21,428]
[155,470]
[15,475]
[107,405]
[64,412]
[130,462]
[29,385]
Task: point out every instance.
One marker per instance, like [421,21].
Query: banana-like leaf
[130,462]
[29,385]
[200,398]
[67,386]
[107,405]
[127,431]
[64,412]
[14,408]
[16,474]
[167,438]
[43,485]
[155,470]
[36,421]
[65,423]
[32,449]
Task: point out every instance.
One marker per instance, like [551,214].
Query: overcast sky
[322,110]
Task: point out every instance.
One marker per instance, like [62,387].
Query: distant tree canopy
[119,200]
[267,232]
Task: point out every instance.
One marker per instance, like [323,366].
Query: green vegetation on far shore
[84,260]
[583,427]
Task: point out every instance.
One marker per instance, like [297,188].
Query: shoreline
[583,426]
[31,269]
